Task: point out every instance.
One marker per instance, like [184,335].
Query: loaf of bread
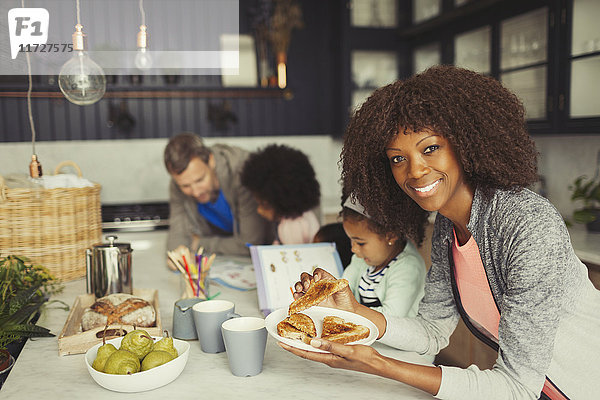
[119,309]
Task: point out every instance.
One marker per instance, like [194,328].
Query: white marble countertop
[41,373]
[586,244]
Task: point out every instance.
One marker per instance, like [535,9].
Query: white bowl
[140,381]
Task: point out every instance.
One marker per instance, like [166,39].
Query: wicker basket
[52,227]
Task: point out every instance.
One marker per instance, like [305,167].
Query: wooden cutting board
[73,340]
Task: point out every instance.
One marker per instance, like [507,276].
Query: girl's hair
[483,121]
[335,233]
[377,228]
[283,177]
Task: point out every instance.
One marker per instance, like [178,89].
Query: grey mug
[208,317]
[245,341]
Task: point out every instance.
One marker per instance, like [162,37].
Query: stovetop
[135,217]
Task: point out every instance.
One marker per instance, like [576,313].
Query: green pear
[122,362]
[139,342]
[102,355]
[166,344]
[156,358]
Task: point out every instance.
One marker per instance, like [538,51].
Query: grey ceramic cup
[183,321]
[245,341]
[208,317]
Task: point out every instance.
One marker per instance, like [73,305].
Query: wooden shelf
[167,94]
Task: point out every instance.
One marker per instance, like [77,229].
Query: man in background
[209,207]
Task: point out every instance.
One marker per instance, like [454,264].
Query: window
[427,56]
[524,59]
[373,13]
[425,9]
[370,70]
[472,50]
[585,60]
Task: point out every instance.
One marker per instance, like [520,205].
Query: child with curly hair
[386,273]
[285,186]
[454,141]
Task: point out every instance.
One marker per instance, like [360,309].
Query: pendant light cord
[78,12]
[30,114]
[141,4]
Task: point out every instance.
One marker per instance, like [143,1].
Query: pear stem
[104,334]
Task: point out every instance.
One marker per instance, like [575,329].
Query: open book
[278,268]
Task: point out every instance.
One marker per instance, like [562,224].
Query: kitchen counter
[41,372]
[586,244]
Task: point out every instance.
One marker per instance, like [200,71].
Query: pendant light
[81,80]
[35,167]
[143,60]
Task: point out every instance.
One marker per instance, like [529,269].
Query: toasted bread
[302,322]
[297,326]
[316,293]
[337,330]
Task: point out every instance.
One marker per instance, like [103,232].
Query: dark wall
[313,81]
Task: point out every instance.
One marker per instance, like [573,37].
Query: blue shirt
[218,213]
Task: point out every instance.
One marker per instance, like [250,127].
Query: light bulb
[143,60]
[81,80]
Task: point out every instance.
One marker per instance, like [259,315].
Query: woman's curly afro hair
[284,178]
[483,121]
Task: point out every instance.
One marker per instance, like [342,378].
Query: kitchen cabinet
[373,58]
[369,53]
[370,70]
[584,60]
[546,51]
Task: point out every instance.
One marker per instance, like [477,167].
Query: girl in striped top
[386,272]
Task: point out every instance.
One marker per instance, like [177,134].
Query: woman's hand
[352,357]
[343,300]
[363,358]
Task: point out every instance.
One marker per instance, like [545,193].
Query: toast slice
[297,326]
[316,293]
[337,330]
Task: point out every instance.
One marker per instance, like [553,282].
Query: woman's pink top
[475,293]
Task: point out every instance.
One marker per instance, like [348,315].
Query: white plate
[140,381]
[317,314]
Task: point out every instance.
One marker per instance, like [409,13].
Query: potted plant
[24,289]
[587,191]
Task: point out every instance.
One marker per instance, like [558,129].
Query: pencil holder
[189,289]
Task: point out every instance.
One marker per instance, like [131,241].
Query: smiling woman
[454,141]
[424,165]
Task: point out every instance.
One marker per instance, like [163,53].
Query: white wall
[132,170]
[562,159]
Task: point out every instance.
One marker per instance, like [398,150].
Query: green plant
[24,290]
[16,317]
[587,191]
